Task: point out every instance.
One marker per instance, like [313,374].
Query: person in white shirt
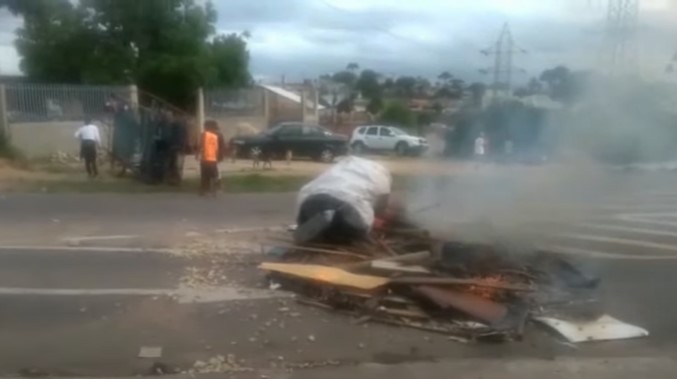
[480,147]
[89,137]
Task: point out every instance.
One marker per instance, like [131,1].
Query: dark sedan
[303,140]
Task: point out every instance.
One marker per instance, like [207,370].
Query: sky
[306,38]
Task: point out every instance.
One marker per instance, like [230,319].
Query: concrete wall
[39,139]
[234,125]
[281,109]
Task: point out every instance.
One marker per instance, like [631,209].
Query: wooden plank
[391,266]
[323,251]
[326,274]
[458,281]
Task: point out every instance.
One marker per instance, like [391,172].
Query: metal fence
[49,102]
[236,102]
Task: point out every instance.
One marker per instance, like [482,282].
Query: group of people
[481,147]
[212,149]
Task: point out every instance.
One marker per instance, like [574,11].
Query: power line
[621,50]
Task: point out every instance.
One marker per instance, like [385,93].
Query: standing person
[507,150]
[480,148]
[210,152]
[90,139]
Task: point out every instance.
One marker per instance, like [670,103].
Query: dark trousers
[88,153]
[346,226]
[209,173]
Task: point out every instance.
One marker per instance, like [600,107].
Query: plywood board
[325,274]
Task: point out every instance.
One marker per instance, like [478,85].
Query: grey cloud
[334,37]
[259,11]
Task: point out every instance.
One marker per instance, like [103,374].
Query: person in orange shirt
[211,151]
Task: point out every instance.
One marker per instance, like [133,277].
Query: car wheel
[401,149]
[358,148]
[326,156]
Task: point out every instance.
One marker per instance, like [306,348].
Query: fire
[488,292]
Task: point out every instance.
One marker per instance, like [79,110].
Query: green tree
[477,91]
[375,105]
[347,78]
[352,67]
[458,86]
[445,77]
[368,84]
[231,65]
[405,86]
[161,45]
[398,113]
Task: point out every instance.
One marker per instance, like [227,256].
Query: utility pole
[503,69]
[621,50]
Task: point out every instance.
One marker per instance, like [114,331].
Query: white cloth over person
[353,180]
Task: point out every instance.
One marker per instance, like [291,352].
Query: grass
[12,154]
[253,183]
[241,183]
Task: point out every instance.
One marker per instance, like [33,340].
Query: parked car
[303,140]
[386,138]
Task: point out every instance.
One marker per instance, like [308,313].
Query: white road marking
[618,241]
[100,238]
[251,229]
[612,227]
[182,295]
[648,218]
[99,249]
[605,255]
[636,207]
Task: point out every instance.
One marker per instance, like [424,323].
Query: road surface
[86,280]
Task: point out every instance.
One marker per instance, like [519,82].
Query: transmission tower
[670,69]
[503,51]
[621,53]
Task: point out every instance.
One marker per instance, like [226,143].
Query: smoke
[605,123]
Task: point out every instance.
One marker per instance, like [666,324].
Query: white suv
[386,138]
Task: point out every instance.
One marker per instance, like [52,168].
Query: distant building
[286,105]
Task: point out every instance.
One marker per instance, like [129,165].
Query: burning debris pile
[404,277]
[395,273]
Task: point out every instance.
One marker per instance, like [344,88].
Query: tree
[375,105]
[368,84]
[405,86]
[230,64]
[522,92]
[346,105]
[563,84]
[352,67]
[397,113]
[162,45]
[444,93]
[534,86]
[421,87]
[458,87]
[445,77]
[477,91]
[52,42]
[345,77]
[555,76]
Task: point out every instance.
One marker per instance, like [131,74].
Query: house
[285,105]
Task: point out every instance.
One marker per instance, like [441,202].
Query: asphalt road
[86,311]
